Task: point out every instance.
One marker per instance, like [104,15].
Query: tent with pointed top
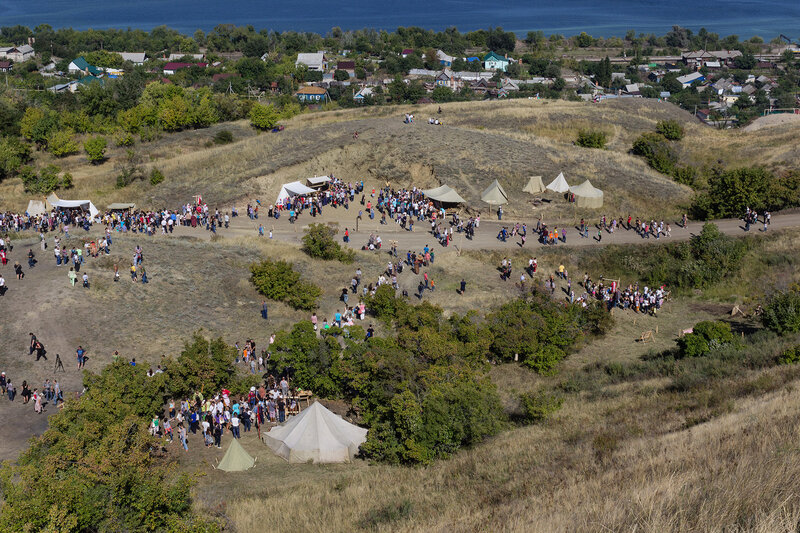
[494,194]
[559,184]
[587,195]
[35,207]
[316,435]
[534,185]
[444,194]
[236,459]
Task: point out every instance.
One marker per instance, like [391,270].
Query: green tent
[236,458]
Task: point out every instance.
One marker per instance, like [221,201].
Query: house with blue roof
[494,61]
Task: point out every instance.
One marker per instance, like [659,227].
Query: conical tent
[494,194]
[587,195]
[316,435]
[444,194]
[559,184]
[236,458]
[534,185]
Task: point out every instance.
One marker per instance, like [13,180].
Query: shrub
[319,242]
[123,138]
[790,356]
[670,129]
[278,281]
[13,154]
[263,117]
[62,143]
[730,192]
[156,176]
[705,337]
[45,182]
[130,169]
[655,150]
[591,139]
[223,137]
[781,314]
[384,303]
[96,149]
[66,180]
[539,406]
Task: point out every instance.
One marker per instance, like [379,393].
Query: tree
[782,312]
[277,280]
[263,117]
[584,40]
[319,242]
[655,149]
[62,143]
[129,169]
[670,129]
[341,75]
[13,154]
[603,73]
[95,149]
[746,61]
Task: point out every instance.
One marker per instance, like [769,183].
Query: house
[137,58]
[273,87]
[316,61]
[406,52]
[347,66]
[703,114]
[64,87]
[172,68]
[633,89]
[81,66]
[482,86]
[509,85]
[701,58]
[17,54]
[713,64]
[365,92]
[313,95]
[444,59]
[5,66]
[688,79]
[86,80]
[494,61]
[446,78]
[176,57]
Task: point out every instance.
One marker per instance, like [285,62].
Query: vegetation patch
[278,281]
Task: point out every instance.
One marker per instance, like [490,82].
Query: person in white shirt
[235,426]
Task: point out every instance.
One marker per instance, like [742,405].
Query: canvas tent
[494,194]
[559,184]
[294,188]
[316,435]
[86,205]
[35,207]
[587,195]
[444,194]
[121,206]
[236,459]
[534,185]
[318,182]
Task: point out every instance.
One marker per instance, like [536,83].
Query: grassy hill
[481,141]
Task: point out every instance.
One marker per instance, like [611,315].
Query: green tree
[62,143]
[781,313]
[584,40]
[13,154]
[341,75]
[277,280]
[319,242]
[95,149]
[656,151]
[705,337]
[670,129]
[263,117]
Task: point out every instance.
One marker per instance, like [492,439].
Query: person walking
[463,287]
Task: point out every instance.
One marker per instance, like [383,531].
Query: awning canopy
[294,188]
[559,184]
[318,181]
[587,195]
[444,194]
[494,194]
[121,206]
[534,185]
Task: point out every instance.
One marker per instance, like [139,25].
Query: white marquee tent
[86,205]
[587,195]
[316,435]
[294,188]
[559,184]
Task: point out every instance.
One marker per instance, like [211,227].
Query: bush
[96,149]
[670,129]
[130,169]
[156,176]
[781,314]
[591,139]
[790,356]
[658,154]
[731,192]
[66,180]
[278,281]
[61,143]
[263,117]
[13,154]
[223,137]
[45,182]
[319,242]
[705,337]
[539,406]
[123,138]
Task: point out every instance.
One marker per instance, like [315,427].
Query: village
[722,87]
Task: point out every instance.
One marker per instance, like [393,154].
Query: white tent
[559,184]
[294,188]
[236,459]
[587,195]
[316,435]
[86,205]
[494,194]
[318,181]
[534,185]
[35,207]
